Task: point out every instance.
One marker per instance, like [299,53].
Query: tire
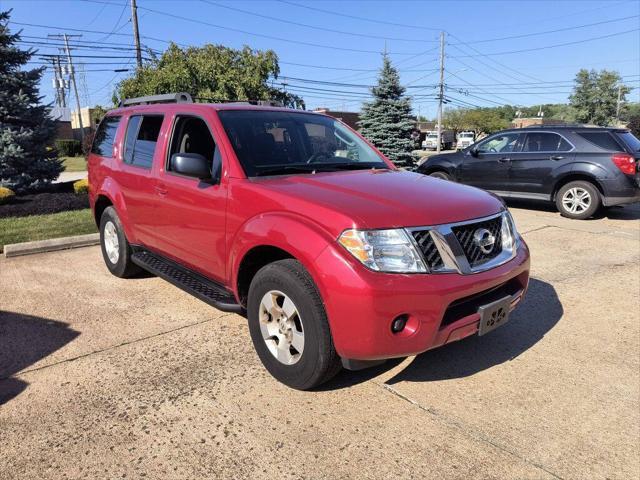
[285,287]
[117,257]
[441,175]
[578,200]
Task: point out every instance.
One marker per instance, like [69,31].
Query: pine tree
[26,131]
[386,121]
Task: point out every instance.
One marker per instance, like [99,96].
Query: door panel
[136,175]
[532,169]
[489,169]
[191,213]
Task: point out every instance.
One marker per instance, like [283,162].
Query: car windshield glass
[466,135]
[432,135]
[630,141]
[276,143]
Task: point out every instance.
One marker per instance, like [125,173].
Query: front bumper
[361,304]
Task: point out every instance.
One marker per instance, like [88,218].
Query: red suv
[337,257]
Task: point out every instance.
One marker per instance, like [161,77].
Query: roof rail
[181,97]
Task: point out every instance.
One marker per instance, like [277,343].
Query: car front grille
[459,247]
[474,253]
[428,248]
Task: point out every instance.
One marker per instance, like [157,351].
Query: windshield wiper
[357,166]
[284,169]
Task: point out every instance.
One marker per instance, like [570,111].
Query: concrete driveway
[107,378]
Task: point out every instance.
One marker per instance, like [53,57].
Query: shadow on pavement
[24,340]
[624,212]
[538,313]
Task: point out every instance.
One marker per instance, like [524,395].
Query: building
[350,118]
[62,118]
[89,122]
[531,121]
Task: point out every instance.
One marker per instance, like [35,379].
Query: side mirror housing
[473,152]
[191,165]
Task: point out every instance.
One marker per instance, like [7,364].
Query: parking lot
[109,378]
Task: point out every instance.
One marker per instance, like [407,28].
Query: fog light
[399,323]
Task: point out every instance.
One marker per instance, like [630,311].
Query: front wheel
[578,200]
[289,327]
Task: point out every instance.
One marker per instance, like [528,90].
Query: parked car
[579,168]
[336,256]
[447,140]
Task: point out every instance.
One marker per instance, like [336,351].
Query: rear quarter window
[105,136]
[603,140]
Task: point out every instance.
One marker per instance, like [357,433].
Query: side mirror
[473,152]
[191,164]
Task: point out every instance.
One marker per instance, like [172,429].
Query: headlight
[509,232]
[383,250]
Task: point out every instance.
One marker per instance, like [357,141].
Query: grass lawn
[43,227]
[74,164]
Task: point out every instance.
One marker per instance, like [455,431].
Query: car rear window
[105,136]
[629,140]
[602,139]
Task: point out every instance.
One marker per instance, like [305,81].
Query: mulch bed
[59,198]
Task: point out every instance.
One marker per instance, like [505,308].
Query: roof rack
[181,97]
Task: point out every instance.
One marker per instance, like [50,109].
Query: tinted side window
[105,136]
[142,136]
[602,139]
[545,142]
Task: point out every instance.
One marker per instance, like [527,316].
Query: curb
[41,246]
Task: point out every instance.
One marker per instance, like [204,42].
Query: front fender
[111,190]
[302,238]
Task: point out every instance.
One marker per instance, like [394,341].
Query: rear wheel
[116,250]
[441,175]
[579,200]
[289,327]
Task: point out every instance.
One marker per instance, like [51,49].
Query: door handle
[557,157]
[504,160]
[161,190]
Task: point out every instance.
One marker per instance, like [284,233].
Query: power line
[364,19]
[254,34]
[575,27]
[591,39]
[315,27]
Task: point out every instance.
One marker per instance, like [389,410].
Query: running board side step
[191,282]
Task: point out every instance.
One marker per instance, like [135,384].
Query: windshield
[276,143]
[466,135]
[630,141]
[432,135]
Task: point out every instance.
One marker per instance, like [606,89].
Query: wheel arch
[271,237]
[573,177]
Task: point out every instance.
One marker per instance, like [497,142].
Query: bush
[81,186]
[69,148]
[5,195]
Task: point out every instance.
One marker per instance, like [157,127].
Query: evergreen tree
[386,121]
[26,132]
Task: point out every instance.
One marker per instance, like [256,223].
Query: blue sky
[342,41]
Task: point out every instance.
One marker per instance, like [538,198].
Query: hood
[384,198]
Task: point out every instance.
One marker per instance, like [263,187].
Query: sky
[496,52]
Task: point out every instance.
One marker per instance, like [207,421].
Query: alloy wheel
[281,327]
[576,200]
[111,242]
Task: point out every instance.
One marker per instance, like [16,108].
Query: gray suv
[579,168]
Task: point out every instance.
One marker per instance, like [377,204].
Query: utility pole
[72,73]
[618,104]
[136,32]
[441,91]
[58,80]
